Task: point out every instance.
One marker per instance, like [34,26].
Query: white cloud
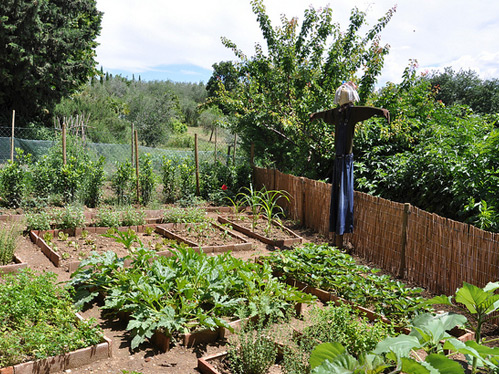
[139,35]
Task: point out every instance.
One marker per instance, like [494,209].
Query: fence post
[132,143]
[12,137]
[137,164]
[405,219]
[196,159]
[303,202]
[64,143]
[215,144]
[234,154]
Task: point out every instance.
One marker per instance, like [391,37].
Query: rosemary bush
[8,242]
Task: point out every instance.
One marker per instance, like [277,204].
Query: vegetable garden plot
[183,293]
[331,274]
[206,235]
[67,250]
[39,330]
[258,227]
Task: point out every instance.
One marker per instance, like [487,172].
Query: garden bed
[276,234]
[67,248]
[206,235]
[16,265]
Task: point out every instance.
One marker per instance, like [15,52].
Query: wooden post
[196,159]
[405,219]
[303,202]
[137,164]
[215,144]
[132,143]
[234,154]
[64,143]
[12,137]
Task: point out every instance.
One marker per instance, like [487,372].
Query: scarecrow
[344,117]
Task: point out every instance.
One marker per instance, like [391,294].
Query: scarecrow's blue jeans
[341,211]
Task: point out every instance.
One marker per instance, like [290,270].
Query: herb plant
[37,319]
[9,237]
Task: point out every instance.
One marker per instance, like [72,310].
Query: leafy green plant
[168,168]
[9,237]
[93,183]
[127,238]
[184,292]
[107,217]
[37,319]
[70,217]
[132,217]
[346,325]
[332,270]
[123,183]
[147,179]
[399,354]
[268,206]
[13,177]
[62,236]
[481,303]
[252,351]
[184,215]
[38,221]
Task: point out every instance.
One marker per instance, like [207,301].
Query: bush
[13,180]
[147,179]
[122,183]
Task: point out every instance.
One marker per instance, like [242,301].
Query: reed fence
[434,252]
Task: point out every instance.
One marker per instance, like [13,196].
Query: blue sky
[180,41]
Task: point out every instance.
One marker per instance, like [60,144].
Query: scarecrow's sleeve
[361,113]
[327,116]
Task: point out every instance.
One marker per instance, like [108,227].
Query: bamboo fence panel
[377,234]
[440,253]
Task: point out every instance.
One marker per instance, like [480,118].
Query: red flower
[224,187]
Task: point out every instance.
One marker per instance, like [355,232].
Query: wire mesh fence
[38,142]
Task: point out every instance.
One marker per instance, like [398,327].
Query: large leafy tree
[296,74]
[47,50]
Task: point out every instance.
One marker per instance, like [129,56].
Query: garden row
[176,297]
[32,185]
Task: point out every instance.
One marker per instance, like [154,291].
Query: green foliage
[184,215]
[9,237]
[108,217]
[147,179]
[38,221]
[13,179]
[345,325]
[332,270]
[127,238]
[252,351]
[48,53]
[123,183]
[187,291]
[94,181]
[168,178]
[37,319]
[132,217]
[276,91]
[441,159]
[70,217]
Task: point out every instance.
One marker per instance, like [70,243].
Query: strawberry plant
[332,270]
[187,291]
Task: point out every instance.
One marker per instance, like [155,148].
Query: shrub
[13,180]
[107,217]
[38,221]
[147,179]
[70,217]
[92,189]
[122,182]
